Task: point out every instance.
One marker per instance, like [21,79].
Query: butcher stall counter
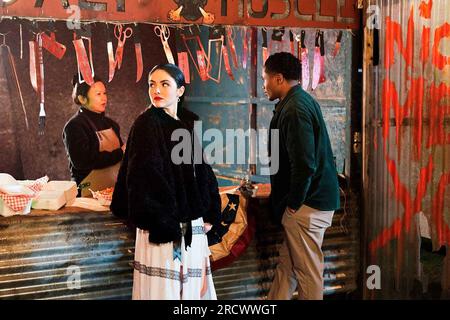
[75,253]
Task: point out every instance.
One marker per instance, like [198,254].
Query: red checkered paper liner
[105,194]
[19,202]
[16,203]
[39,184]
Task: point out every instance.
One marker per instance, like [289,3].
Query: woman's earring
[178,99]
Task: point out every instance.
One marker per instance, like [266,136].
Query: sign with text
[338,14]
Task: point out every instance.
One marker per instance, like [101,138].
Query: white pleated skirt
[157,276]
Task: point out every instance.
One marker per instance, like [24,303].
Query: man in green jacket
[305,190]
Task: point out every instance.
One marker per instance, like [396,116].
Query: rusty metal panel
[407,146]
[340,14]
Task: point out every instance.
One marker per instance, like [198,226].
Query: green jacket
[306,172]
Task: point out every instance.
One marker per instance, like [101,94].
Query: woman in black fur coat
[171,199]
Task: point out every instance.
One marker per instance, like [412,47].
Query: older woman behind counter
[92,140]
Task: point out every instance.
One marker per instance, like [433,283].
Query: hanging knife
[85,64]
[33,64]
[138,51]
[291,40]
[265,51]
[110,50]
[337,46]
[322,58]
[226,59]
[183,58]
[305,61]
[50,44]
[316,67]
[85,68]
[230,41]
[244,33]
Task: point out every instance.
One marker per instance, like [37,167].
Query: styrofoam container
[16,189]
[26,183]
[49,200]
[6,178]
[68,187]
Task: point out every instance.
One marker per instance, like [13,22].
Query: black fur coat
[155,194]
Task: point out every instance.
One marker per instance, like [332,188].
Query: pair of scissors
[122,36]
[163,32]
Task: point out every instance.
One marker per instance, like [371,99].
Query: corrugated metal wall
[407,145]
[37,253]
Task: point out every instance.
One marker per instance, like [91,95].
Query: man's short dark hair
[285,63]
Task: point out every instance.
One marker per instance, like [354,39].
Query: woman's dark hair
[175,73]
[285,63]
[81,89]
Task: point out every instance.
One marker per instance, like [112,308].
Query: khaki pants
[301,257]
